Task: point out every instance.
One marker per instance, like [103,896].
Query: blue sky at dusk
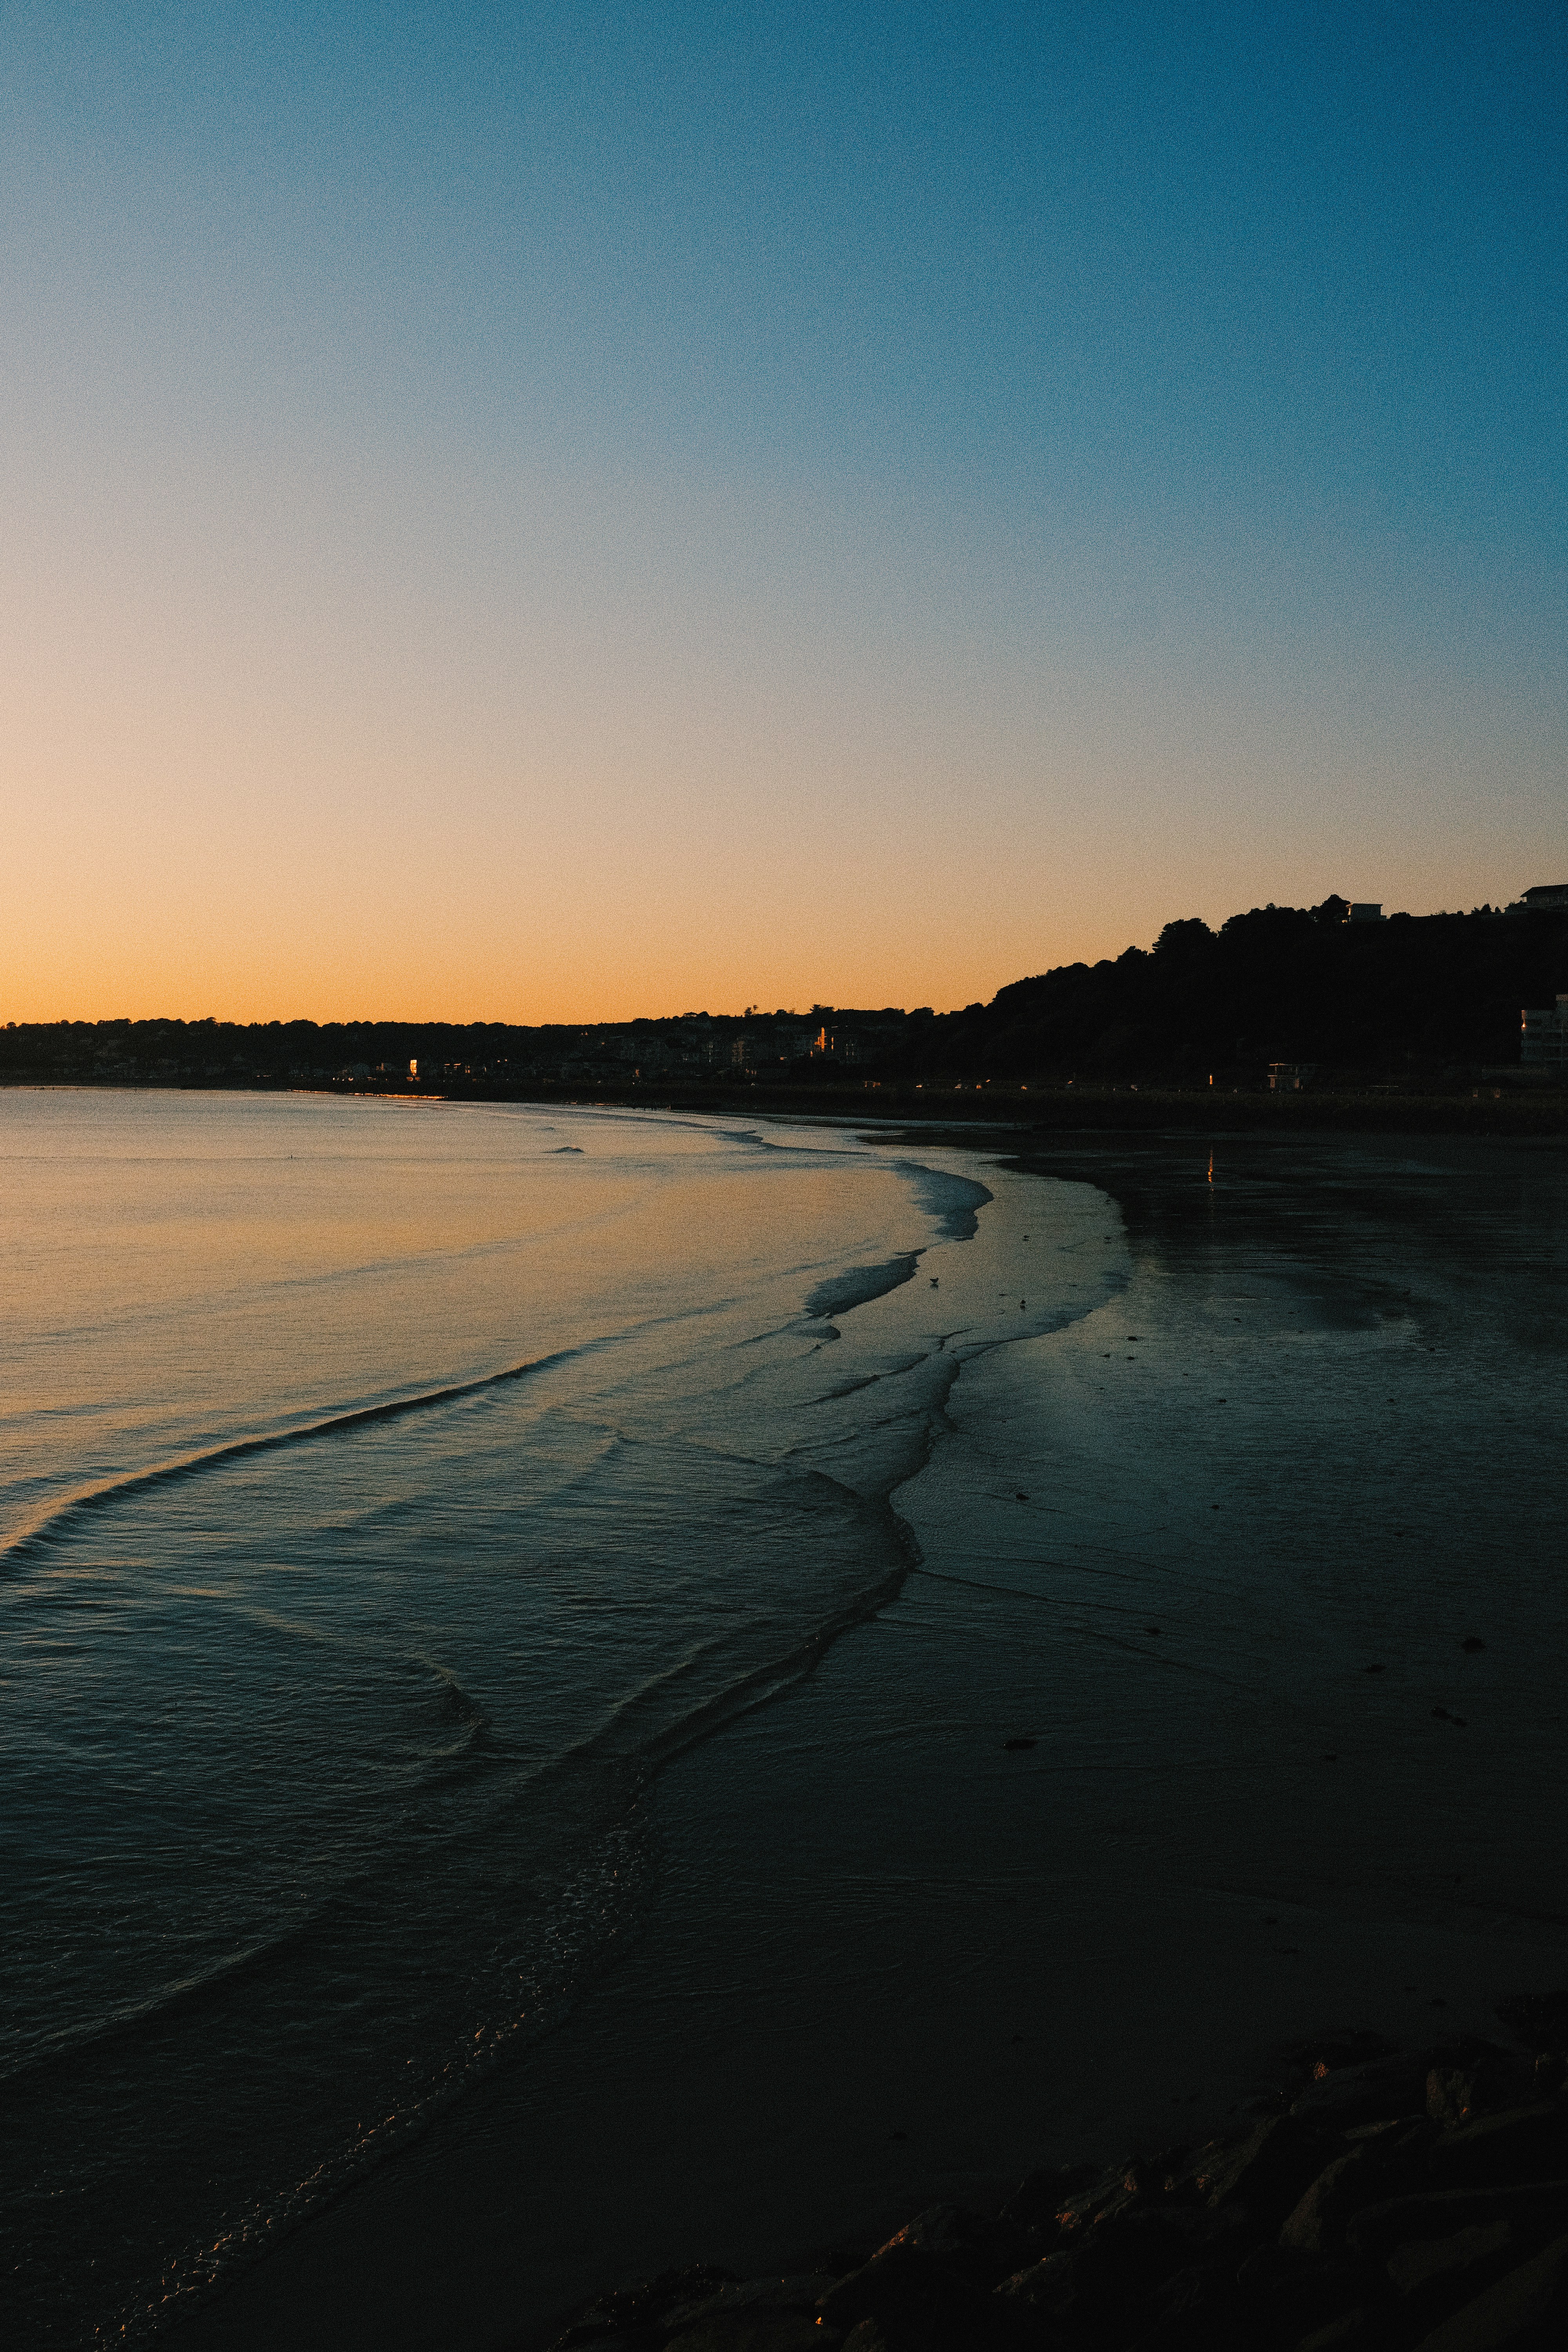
[560,512]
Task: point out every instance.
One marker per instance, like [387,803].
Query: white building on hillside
[1543,1037]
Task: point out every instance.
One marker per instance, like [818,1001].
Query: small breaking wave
[955,1202]
[858,1284]
[49,1521]
[188,1992]
[589,1916]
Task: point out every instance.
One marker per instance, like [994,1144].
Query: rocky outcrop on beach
[1405,2201]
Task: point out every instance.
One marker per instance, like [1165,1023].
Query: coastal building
[1546,898]
[1289,1077]
[1365,911]
[1543,1037]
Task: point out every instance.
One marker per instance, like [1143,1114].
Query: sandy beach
[1169,1751]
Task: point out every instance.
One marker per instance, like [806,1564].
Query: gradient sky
[554,512]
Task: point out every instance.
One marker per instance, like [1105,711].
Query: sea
[585,1688]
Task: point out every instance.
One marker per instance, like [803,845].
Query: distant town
[1279,999]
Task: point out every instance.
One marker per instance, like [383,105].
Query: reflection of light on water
[394,1629]
[1211,1167]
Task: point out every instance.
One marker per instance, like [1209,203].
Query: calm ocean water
[510,1623]
[390,1490]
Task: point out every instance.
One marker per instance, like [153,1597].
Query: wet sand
[1317,1433]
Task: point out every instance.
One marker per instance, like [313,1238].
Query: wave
[758,1684]
[589,1917]
[189,1992]
[651,1726]
[869,1381]
[48,1522]
[953,1201]
[859,1283]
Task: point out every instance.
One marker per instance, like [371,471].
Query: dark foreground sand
[1384,2197]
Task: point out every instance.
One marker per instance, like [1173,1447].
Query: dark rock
[1472,1641]
[1378,2230]
[757,2329]
[630,2316]
[1117,2283]
[1179,2273]
[1378,2162]
[918,2301]
[1540,2020]
[1325,2053]
[1106,2193]
[1052,2287]
[1020,1743]
[1114,2276]
[1520,2143]
[1266,2172]
[1198,2310]
[1149,2242]
[1351,2327]
[1081,2216]
[767,2315]
[1525,2311]
[592,2334]
[1391,2086]
[1040,2195]
[795,2291]
[1076,2296]
[1264,2267]
[1428,2267]
[1393,2131]
[1318,2224]
[1286,2295]
[845,2254]
[1458,2095]
[980,2249]
[1399,2186]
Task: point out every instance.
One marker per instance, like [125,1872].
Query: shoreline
[1065,1838]
[1086,1942]
[1505,1108]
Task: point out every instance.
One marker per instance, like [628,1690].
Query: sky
[556,512]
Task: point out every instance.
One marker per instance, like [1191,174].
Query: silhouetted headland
[1282,1018]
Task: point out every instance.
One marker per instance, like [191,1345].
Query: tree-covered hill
[1280,983]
